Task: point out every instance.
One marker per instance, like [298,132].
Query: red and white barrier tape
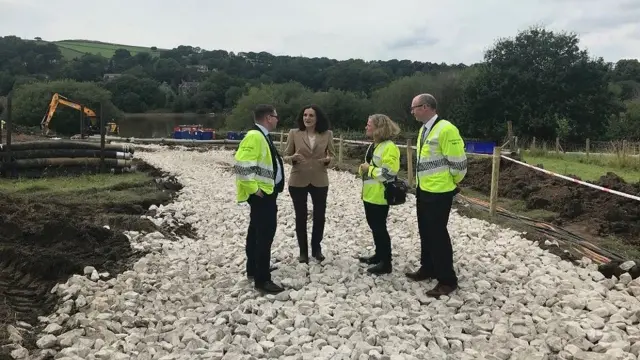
[628,196]
[402,146]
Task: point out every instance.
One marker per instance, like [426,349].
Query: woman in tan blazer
[310,151]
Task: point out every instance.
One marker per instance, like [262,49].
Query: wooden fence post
[281,141]
[495,174]
[557,145]
[340,149]
[533,144]
[103,134]
[587,147]
[410,176]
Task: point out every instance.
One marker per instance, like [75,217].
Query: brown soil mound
[605,213]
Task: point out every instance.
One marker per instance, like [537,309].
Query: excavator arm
[53,105]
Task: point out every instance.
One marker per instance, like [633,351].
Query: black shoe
[369,260]
[441,289]
[318,255]
[303,259]
[419,275]
[380,268]
[269,287]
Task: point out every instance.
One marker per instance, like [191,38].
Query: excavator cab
[112,128]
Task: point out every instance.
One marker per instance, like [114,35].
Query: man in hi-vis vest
[259,180]
[441,163]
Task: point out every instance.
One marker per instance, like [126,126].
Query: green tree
[534,77]
[136,95]
[345,110]
[31,101]
[288,98]
[395,99]
[627,124]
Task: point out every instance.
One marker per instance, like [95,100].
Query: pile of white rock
[190,299]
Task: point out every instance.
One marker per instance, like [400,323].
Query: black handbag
[395,191]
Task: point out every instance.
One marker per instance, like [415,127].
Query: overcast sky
[451,31]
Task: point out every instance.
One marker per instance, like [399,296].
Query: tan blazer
[312,170]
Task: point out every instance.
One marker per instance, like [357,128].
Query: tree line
[539,80]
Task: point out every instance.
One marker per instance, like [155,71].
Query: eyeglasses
[417,106]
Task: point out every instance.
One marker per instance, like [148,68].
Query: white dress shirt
[427,127]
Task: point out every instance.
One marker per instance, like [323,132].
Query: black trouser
[319,201]
[377,220]
[262,228]
[436,255]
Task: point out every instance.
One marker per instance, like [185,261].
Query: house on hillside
[188,87]
[109,77]
[199,68]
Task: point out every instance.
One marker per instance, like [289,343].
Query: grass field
[99,189]
[71,49]
[587,168]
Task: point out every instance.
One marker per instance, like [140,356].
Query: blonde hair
[385,128]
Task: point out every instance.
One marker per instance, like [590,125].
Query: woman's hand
[364,167]
[297,158]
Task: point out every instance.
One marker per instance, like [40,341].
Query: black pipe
[69,153]
[62,144]
[57,171]
[41,163]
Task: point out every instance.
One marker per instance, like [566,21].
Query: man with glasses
[441,164]
[259,180]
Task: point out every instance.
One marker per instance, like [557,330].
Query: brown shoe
[440,290]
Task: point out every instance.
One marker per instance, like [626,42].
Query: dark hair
[322,122]
[261,111]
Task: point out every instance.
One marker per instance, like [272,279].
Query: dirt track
[43,243]
[596,212]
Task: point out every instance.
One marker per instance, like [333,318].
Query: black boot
[380,268]
[419,275]
[304,251]
[317,254]
[369,260]
[269,287]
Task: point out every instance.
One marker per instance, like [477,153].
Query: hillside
[75,48]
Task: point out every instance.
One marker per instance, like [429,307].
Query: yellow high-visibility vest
[252,174]
[441,159]
[384,166]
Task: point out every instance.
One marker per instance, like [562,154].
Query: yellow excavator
[93,126]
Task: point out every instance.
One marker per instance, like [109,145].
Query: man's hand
[364,167]
[259,193]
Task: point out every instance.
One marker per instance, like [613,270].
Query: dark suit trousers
[377,219]
[262,229]
[319,200]
[436,255]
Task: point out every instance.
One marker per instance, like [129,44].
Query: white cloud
[428,30]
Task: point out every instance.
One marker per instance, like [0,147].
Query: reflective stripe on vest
[252,170]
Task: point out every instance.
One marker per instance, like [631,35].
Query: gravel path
[191,300]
